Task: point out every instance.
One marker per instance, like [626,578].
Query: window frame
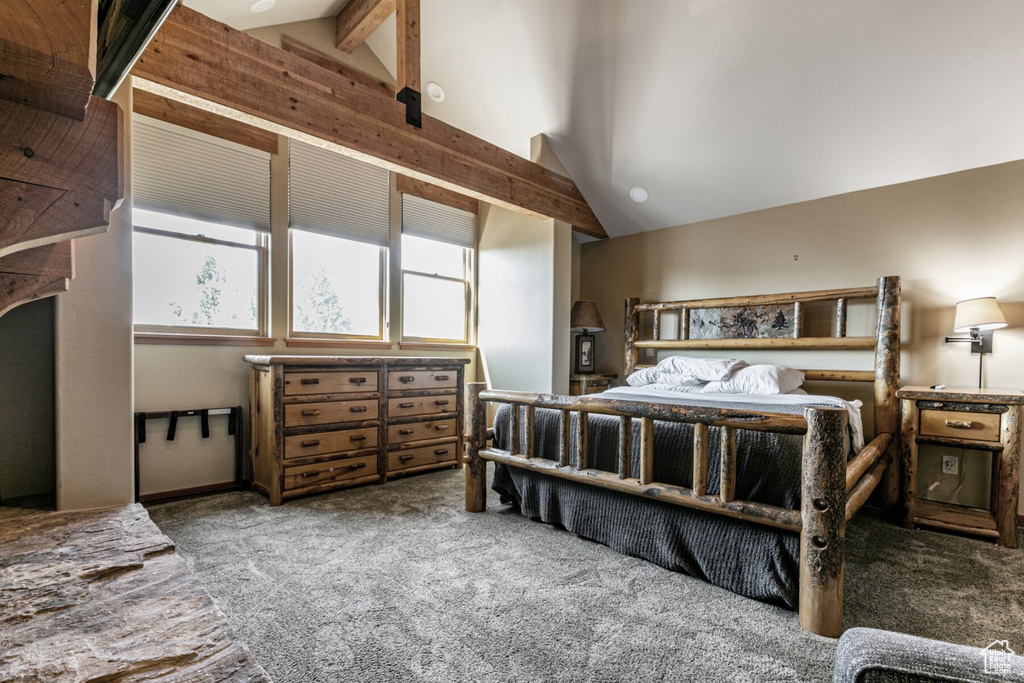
[262,249]
[382,298]
[468,259]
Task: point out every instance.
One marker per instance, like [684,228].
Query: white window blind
[186,173]
[433,221]
[332,194]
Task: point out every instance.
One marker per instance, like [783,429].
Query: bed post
[632,334]
[476,468]
[823,518]
[887,381]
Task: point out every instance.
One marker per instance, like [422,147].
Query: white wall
[93,362]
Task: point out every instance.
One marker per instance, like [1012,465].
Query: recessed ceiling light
[262,5]
[638,195]
[435,92]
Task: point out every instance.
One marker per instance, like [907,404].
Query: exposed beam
[234,74]
[357,20]
[35,273]
[433,193]
[48,54]
[181,114]
[339,67]
[408,61]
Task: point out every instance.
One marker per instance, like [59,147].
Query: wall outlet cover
[950,464]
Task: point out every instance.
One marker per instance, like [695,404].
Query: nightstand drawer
[418,457]
[953,424]
[321,443]
[421,431]
[309,383]
[306,414]
[329,472]
[400,380]
[424,405]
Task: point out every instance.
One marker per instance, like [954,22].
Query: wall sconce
[585,319]
[978,317]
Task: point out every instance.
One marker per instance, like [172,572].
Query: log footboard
[833,488]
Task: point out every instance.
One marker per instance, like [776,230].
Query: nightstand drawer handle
[312,473]
[310,413]
[441,451]
[361,437]
[442,378]
[959,424]
[357,466]
[310,380]
[311,443]
[405,379]
[405,432]
[405,458]
[357,380]
[406,405]
[442,427]
[358,409]
[441,403]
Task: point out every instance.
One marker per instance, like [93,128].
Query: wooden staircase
[61,150]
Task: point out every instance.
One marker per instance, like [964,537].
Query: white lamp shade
[978,314]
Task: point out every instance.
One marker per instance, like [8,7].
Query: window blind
[186,173]
[332,194]
[433,221]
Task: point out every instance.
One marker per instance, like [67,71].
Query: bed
[751,495]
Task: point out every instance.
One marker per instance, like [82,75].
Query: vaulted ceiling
[718,107]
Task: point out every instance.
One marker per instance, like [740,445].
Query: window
[338,213]
[336,286]
[202,221]
[435,290]
[197,275]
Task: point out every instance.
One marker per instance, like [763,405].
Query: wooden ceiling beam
[240,75]
[408,61]
[180,114]
[339,67]
[357,20]
[48,54]
[434,193]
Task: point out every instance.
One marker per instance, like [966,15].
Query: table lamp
[585,319]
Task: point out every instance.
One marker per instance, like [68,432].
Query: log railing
[832,488]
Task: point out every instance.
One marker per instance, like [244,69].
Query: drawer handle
[311,474]
[310,413]
[441,428]
[357,380]
[358,409]
[357,466]
[441,378]
[358,437]
[405,432]
[405,379]
[959,424]
[405,458]
[441,451]
[406,405]
[310,380]
[310,443]
[441,403]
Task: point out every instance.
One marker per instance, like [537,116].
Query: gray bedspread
[749,559]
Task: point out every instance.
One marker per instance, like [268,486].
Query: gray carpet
[399,583]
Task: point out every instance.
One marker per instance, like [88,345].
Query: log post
[727,467]
[513,429]
[531,433]
[798,320]
[625,445]
[646,450]
[582,441]
[840,317]
[1008,487]
[887,381]
[476,468]
[632,334]
[823,518]
[700,459]
[908,449]
[657,325]
[564,423]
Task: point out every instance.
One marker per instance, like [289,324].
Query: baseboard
[209,489]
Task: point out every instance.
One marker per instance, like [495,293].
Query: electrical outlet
[950,464]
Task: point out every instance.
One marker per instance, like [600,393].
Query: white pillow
[653,375]
[680,369]
[759,379]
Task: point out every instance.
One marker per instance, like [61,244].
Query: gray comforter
[749,559]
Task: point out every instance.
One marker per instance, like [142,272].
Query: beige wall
[951,237]
[93,362]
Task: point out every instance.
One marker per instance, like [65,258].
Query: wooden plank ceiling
[237,73]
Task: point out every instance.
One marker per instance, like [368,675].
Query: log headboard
[698,330]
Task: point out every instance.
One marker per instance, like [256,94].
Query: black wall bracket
[412,101]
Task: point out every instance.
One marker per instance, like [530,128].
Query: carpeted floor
[399,583]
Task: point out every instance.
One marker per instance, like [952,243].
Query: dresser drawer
[329,472]
[304,445]
[426,455]
[421,431]
[313,383]
[326,412]
[399,380]
[960,425]
[422,405]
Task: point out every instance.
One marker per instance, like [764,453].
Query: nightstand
[580,385]
[948,432]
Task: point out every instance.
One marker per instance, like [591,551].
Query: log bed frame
[833,486]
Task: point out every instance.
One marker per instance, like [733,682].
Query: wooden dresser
[321,423]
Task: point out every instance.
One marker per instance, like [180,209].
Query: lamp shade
[978,314]
[584,316]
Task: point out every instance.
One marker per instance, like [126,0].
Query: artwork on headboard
[742,322]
